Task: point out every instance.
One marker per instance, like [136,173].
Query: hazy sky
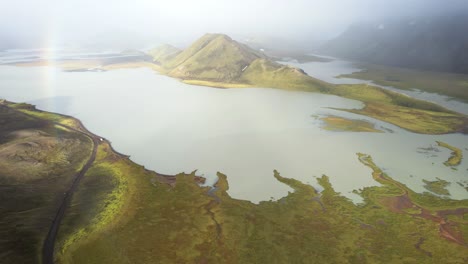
[59,21]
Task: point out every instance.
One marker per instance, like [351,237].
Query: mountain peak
[217,59]
[216,35]
[213,57]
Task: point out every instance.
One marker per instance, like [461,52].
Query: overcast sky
[59,21]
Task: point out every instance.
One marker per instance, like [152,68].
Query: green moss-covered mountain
[218,58]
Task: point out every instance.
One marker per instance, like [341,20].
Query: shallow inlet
[329,71]
[171,127]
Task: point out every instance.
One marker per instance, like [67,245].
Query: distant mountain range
[428,43]
[220,60]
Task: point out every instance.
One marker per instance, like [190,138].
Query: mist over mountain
[112,25]
[438,43]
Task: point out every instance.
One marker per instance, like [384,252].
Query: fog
[142,23]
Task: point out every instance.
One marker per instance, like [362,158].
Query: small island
[438,186]
[455,157]
[336,123]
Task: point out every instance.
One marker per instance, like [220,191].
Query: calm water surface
[171,127]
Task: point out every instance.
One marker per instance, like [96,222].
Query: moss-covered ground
[438,186]
[406,112]
[38,160]
[455,157]
[336,123]
[450,84]
[184,223]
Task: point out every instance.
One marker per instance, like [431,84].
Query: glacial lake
[171,127]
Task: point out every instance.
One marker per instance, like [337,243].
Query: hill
[427,43]
[218,60]
[213,57]
[164,53]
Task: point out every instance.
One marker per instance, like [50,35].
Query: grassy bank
[414,115]
[336,123]
[186,224]
[449,84]
[38,160]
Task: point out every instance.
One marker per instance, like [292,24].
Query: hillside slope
[267,73]
[164,53]
[214,57]
[219,59]
[427,43]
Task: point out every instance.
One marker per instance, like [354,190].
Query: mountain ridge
[425,43]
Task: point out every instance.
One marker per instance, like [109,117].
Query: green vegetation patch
[266,73]
[38,160]
[304,58]
[455,157]
[98,201]
[406,112]
[336,123]
[186,223]
[438,186]
[453,85]
[216,84]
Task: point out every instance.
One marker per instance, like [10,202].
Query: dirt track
[49,242]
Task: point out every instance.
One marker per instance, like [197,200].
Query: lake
[171,127]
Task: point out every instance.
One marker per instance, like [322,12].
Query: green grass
[304,58]
[455,157]
[98,201]
[37,162]
[437,187]
[393,188]
[406,112]
[265,73]
[303,227]
[336,123]
[216,84]
[453,85]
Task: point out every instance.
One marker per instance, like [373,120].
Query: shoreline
[430,118]
[144,197]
